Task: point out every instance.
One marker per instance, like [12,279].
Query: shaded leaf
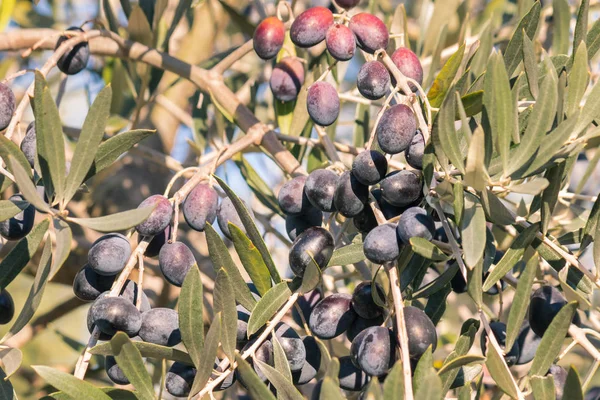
[562,18]
[520,303]
[461,361]
[444,130]
[530,65]
[495,209]
[277,379]
[11,359]
[393,386]
[63,237]
[251,260]
[147,350]
[527,25]
[209,352]
[330,390]
[425,248]
[346,255]
[116,222]
[267,306]
[190,309]
[444,79]
[10,208]
[280,359]
[500,372]
[224,303]
[573,385]
[9,148]
[256,388]
[476,176]
[130,361]
[76,388]
[473,230]
[593,40]
[582,23]
[26,186]
[262,191]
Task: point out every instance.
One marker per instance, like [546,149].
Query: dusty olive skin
[295,225]
[363,303]
[292,345]
[341,42]
[396,129]
[159,218]
[528,344]
[157,242]
[320,188]
[7,307]
[179,379]
[114,372]
[371,33]
[7,106]
[109,254]
[332,316]
[112,314]
[306,302]
[401,188]
[227,382]
[76,59]
[499,329]
[315,242]
[291,197]
[373,80]
[268,38]
[19,226]
[264,353]
[175,260]
[365,221]
[408,63]
[29,144]
[243,316]
[323,103]
[369,167]
[347,4]
[545,303]
[559,375]
[415,222]
[228,214]
[381,245]
[351,378]
[312,363]
[310,27]
[360,324]
[200,206]
[160,326]
[420,331]
[374,350]
[130,292]
[415,151]
[593,394]
[88,284]
[287,78]
[350,195]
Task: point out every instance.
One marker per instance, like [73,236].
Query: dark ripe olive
[320,188]
[332,316]
[306,302]
[381,245]
[415,151]
[347,4]
[7,105]
[371,33]
[114,372]
[109,254]
[593,394]
[88,284]
[546,302]
[29,144]
[408,63]
[369,167]
[396,129]
[112,314]
[292,345]
[179,379]
[559,375]
[264,353]
[76,59]
[415,222]
[350,195]
[351,378]
[19,226]
[297,224]
[200,207]
[175,260]
[159,218]
[157,242]
[316,243]
[287,78]
[360,324]
[268,38]
[341,42]
[310,27]
[528,343]
[363,303]
[373,80]
[323,103]
[374,350]
[160,326]
[312,363]
[227,213]
[365,221]
[291,197]
[401,188]
[7,307]
[420,331]
[499,329]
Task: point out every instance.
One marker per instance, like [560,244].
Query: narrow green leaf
[62,249]
[573,294]
[520,303]
[76,388]
[113,393]
[444,130]
[425,248]
[423,370]
[129,360]
[499,109]
[311,278]
[26,186]
[209,352]
[473,230]
[224,303]
[280,359]
[266,307]
[593,40]
[530,64]
[330,390]
[581,26]
[374,390]
[9,148]
[589,112]
[463,345]
[512,256]
[10,208]
[347,255]
[277,379]
[251,229]
[437,284]
[393,386]
[251,260]
[444,79]
[495,209]
[14,262]
[190,309]
[500,372]
[430,389]
[573,385]
[138,27]
[115,222]
[540,121]
[476,175]
[578,80]
[461,361]
[553,339]
[35,293]
[50,140]
[528,24]
[147,350]
[260,188]
[110,150]
[474,283]
[256,388]
[543,387]
[562,17]
[458,190]
[220,257]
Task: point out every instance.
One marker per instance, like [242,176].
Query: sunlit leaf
[74,387]
[190,308]
[224,303]
[251,260]
[209,352]
[500,372]
[473,230]
[277,379]
[543,387]
[267,306]
[129,360]
[444,130]
[115,222]
[26,186]
[11,359]
[578,80]
[256,388]
[520,303]
[476,175]
[528,24]
[443,81]
[147,350]
[346,255]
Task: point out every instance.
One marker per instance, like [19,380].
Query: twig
[451,239]
[232,58]
[327,144]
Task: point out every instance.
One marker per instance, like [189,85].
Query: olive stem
[327,144]
[384,107]
[451,239]
[140,281]
[401,328]
[233,57]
